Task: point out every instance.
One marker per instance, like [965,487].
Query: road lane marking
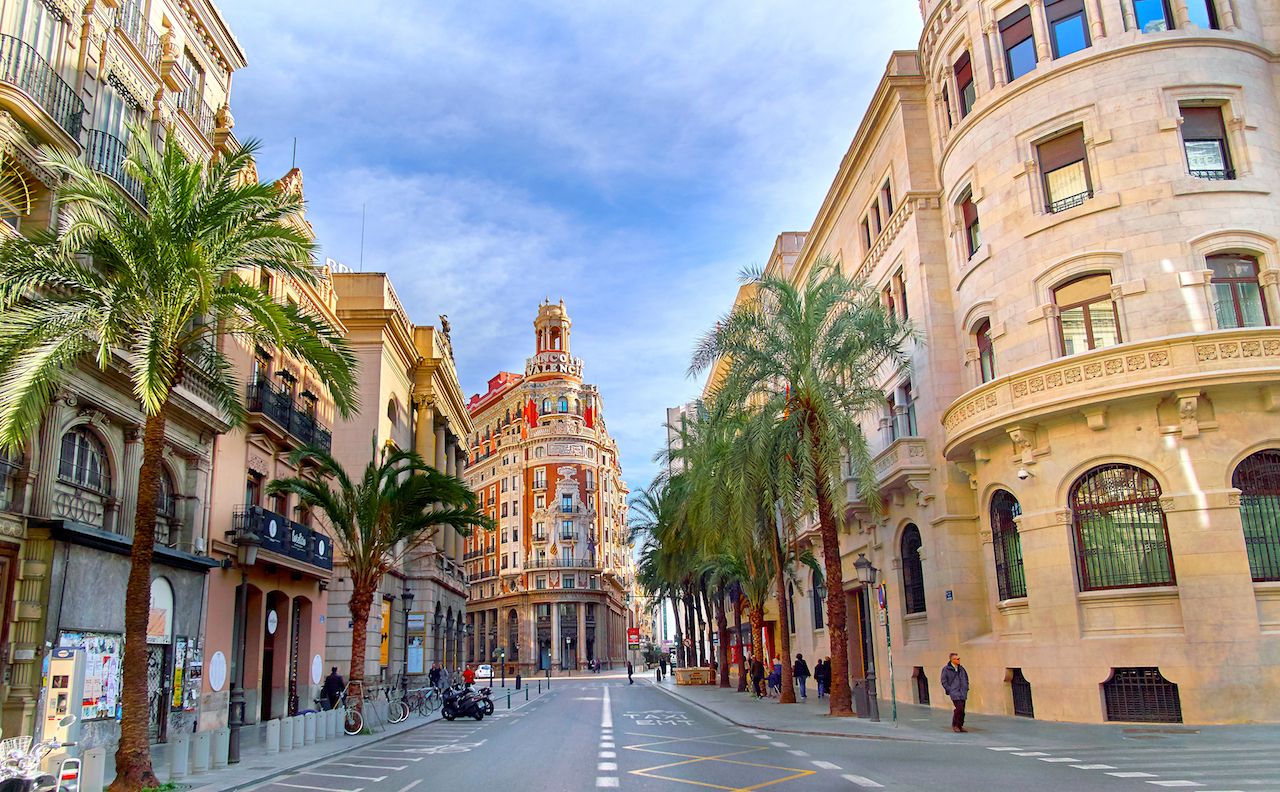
[862,781]
[763,737]
[1093,767]
[1031,753]
[604,767]
[606,781]
[608,755]
[1133,775]
[1057,759]
[321,789]
[328,774]
[606,717]
[825,765]
[1003,748]
[1175,783]
[779,745]
[607,744]
[410,785]
[368,766]
[797,752]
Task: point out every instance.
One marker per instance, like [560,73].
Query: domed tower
[551,327]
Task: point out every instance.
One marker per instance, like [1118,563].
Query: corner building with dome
[552,587]
[1074,203]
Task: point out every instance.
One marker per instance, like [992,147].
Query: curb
[779,730]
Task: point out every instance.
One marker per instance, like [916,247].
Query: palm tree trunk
[363,587]
[703,658]
[737,630]
[722,628]
[788,695]
[675,612]
[841,697]
[133,755]
[691,657]
[713,656]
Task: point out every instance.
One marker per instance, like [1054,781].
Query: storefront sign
[553,363]
[417,622]
[633,637]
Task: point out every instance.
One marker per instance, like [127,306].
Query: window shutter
[1060,9]
[1016,27]
[1062,150]
[964,70]
[1203,123]
[969,211]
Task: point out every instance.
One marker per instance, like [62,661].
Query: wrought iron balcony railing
[280,406]
[276,533]
[1069,202]
[133,24]
[105,154]
[553,563]
[1215,174]
[23,67]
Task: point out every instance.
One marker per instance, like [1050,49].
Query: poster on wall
[195,673]
[385,648]
[415,655]
[103,672]
[179,668]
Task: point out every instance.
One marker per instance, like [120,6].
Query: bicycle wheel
[353,723]
[397,711]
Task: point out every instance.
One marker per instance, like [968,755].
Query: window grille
[1122,539]
[912,570]
[1258,479]
[1021,690]
[1010,577]
[1142,695]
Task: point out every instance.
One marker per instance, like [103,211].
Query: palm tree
[398,504]
[803,360]
[153,293]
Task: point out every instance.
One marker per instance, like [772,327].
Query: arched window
[393,411]
[818,598]
[912,570]
[83,461]
[1087,317]
[1121,537]
[1258,479]
[1008,545]
[10,464]
[986,351]
[564,405]
[546,406]
[166,498]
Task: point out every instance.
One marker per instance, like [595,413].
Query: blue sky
[631,158]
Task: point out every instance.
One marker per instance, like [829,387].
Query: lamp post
[247,541]
[407,598]
[867,577]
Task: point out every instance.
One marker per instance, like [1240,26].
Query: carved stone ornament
[1167,503]
[985,536]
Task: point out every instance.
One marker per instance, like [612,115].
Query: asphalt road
[601,733]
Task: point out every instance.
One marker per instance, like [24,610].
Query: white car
[484,671]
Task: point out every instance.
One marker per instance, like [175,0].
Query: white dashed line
[410,785]
[798,753]
[606,781]
[1093,767]
[1133,774]
[328,774]
[608,755]
[762,736]
[1003,748]
[1175,783]
[603,767]
[862,781]
[1031,753]
[825,765]
[779,745]
[606,744]
[1057,759]
[321,789]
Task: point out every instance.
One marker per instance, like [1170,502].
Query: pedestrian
[955,681]
[333,686]
[775,678]
[757,678]
[630,669]
[468,676]
[433,676]
[822,676]
[662,667]
[801,672]
[657,672]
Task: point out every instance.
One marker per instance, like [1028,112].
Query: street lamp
[247,541]
[867,577]
[407,598]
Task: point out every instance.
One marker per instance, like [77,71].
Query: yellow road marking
[690,759]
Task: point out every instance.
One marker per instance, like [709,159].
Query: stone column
[1096,29]
[45,463]
[995,54]
[582,634]
[1040,29]
[127,482]
[448,465]
[555,634]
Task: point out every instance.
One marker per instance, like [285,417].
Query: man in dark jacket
[822,676]
[333,686]
[630,670]
[955,681]
[800,670]
[434,676]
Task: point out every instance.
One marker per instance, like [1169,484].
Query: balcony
[279,405]
[555,563]
[196,109]
[105,154]
[133,24]
[282,536]
[1080,382]
[22,67]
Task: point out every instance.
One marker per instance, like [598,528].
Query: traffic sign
[633,637]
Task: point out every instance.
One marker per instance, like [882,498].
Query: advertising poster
[179,667]
[103,673]
[195,672]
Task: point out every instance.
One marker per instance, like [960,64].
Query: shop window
[972,229]
[986,350]
[1153,16]
[1122,540]
[1087,317]
[83,461]
[1018,40]
[1010,579]
[1258,479]
[1237,292]
[1068,27]
[965,86]
[1141,695]
[912,570]
[1066,171]
[1204,140]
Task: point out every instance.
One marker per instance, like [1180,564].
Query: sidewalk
[933,724]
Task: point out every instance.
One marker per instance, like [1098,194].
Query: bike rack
[68,776]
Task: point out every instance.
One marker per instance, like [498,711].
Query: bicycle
[352,721]
[397,709]
[424,700]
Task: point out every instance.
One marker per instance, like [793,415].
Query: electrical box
[64,695]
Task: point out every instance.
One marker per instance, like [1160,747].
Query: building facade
[411,400]
[75,76]
[1071,202]
[553,586]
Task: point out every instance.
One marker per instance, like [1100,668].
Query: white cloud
[630,158]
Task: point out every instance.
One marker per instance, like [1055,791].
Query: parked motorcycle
[20,759]
[459,702]
[486,698]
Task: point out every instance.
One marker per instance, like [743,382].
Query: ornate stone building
[1072,202]
[74,75]
[553,586]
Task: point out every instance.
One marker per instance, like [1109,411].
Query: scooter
[20,760]
[486,700]
[458,702]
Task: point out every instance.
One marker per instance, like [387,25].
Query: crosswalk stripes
[1205,769]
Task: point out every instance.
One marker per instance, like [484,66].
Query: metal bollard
[286,734]
[526,694]
[201,742]
[508,701]
[179,756]
[273,736]
[221,743]
[95,762]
